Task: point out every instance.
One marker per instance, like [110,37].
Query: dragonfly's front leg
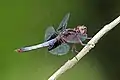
[80,41]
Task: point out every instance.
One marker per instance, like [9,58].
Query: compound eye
[82,29]
[85,28]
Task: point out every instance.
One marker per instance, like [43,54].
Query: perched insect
[57,40]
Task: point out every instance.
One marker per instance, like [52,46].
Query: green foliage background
[23,22]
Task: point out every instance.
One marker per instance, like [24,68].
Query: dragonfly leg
[74,50]
[81,42]
[89,37]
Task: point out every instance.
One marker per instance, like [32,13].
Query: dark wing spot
[57,43]
[52,37]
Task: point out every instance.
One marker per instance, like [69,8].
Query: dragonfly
[57,40]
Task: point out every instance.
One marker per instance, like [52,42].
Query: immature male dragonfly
[57,40]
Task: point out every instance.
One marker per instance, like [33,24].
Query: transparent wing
[63,24]
[50,31]
[61,49]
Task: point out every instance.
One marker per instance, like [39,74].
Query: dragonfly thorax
[71,36]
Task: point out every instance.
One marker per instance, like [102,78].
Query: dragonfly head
[81,29]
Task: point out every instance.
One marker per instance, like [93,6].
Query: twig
[91,44]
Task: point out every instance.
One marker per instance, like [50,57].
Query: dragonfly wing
[63,24]
[61,49]
[50,33]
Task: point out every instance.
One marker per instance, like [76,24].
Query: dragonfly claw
[74,49]
[89,38]
[83,44]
